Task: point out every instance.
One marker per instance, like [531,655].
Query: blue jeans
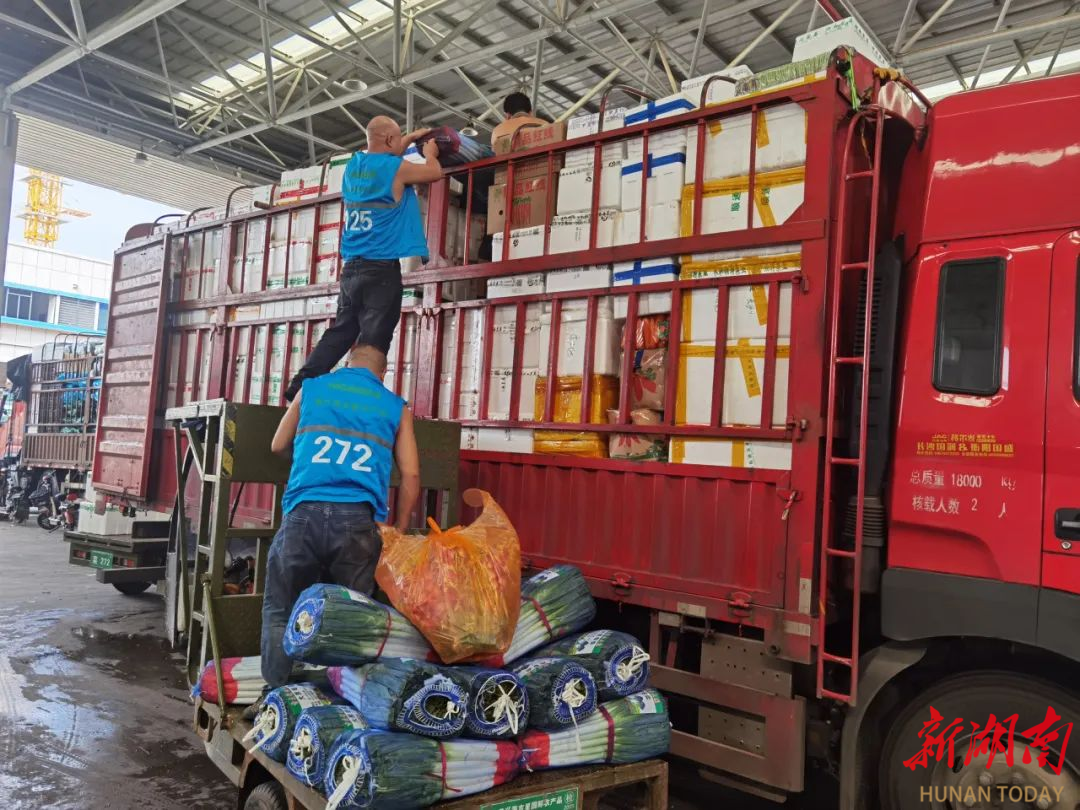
[317,542]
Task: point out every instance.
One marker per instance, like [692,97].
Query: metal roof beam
[80,23]
[926,26]
[763,22]
[977,40]
[101,36]
[768,30]
[52,15]
[268,64]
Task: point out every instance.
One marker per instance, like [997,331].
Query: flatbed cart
[131,563]
[266,785]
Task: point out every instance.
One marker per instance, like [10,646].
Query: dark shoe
[252,711]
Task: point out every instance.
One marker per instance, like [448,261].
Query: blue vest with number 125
[344,446]
[376,225]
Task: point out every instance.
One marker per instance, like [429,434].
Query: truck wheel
[131,588]
[267,796]
[967,782]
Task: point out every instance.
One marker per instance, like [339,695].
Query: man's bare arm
[410,174]
[408,463]
[414,136]
[282,442]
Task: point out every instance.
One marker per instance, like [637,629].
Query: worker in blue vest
[344,431]
[382,225]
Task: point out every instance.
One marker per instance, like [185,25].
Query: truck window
[967,357]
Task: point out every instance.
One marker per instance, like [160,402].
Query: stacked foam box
[469,323]
[643,272]
[666,173]
[744,358]
[572,232]
[582,125]
[503,346]
[720,90]
[829,37]
[401,359]
[593,277]
[570,353]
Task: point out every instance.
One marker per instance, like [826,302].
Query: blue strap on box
[655,162]
[655,109]
[639,272]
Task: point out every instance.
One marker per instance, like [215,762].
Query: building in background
[48,293]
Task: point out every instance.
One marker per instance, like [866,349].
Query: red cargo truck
[871,569]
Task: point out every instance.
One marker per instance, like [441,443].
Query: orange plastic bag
[461,587]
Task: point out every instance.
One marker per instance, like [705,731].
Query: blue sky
[95,236]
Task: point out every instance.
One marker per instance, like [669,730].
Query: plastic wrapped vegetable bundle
[276,721]
[629,729]
[498,706]
[461,587]
[316,732]
[241,679]
[554,603]
[333,625]
[561,691]
[403,694]
[617,661]
[382,770]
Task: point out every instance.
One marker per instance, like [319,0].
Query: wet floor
[94,709]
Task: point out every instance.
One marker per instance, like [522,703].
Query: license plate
[101,559]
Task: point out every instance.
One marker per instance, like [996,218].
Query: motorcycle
[16,504]
[54,510]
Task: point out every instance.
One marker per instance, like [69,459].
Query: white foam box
[571,232]
[829,37]
[719,90]
[504,336]
[524,243]
[662,221]
[665,107]
[588,124]
[666,175]
[576,188]
[497,440]
[572,336]
[500,382]
[410,340]
[593,277]
[744,367]
[672,140]
[585,157]
[740,453]
[299,184]
[468,400]
[747,305]
[781,142]
[335,173]
[643,272]
[110,523]
[471,342]
[509,286]
[779,194]
[390,379]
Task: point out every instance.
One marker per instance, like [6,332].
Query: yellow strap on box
[678,450]
[762,134]
[757,291]
[737,185]
[746,354]
[738,453]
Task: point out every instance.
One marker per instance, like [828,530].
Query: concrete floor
[94,708]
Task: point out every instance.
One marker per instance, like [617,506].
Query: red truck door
[968,462]
[1061,523]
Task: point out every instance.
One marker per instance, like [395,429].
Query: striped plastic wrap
[498,705]
[386,771]
[276,721]
[561,691]
[629,729]
[617,661]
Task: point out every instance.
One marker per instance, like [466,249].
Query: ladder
[831,660]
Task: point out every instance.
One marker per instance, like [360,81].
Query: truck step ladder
[831,661]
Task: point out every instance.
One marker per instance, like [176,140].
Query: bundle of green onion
[316,732]
[629,729]
[404,694]
[554,603]
[382,770]
[561,691]
[498,705]
[617,661]
[335,626]
[276,720]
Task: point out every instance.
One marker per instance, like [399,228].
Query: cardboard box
[529,206]
[572,337]
[576,188]
[571,232]
[748,306]
[509,286]
[666,174]
[829,37]
[597,276]
[531,138]
[777,196]
[744,365]
[524,243]
[731,453]
[566,407]
[720,90]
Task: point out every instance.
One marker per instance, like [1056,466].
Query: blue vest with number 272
[344,446]
[376,225]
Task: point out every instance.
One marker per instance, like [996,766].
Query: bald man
[382,226]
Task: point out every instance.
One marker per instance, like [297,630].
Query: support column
[9,136]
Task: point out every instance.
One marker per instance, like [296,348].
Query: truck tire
[267,796]
[131,588]
[974,697]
